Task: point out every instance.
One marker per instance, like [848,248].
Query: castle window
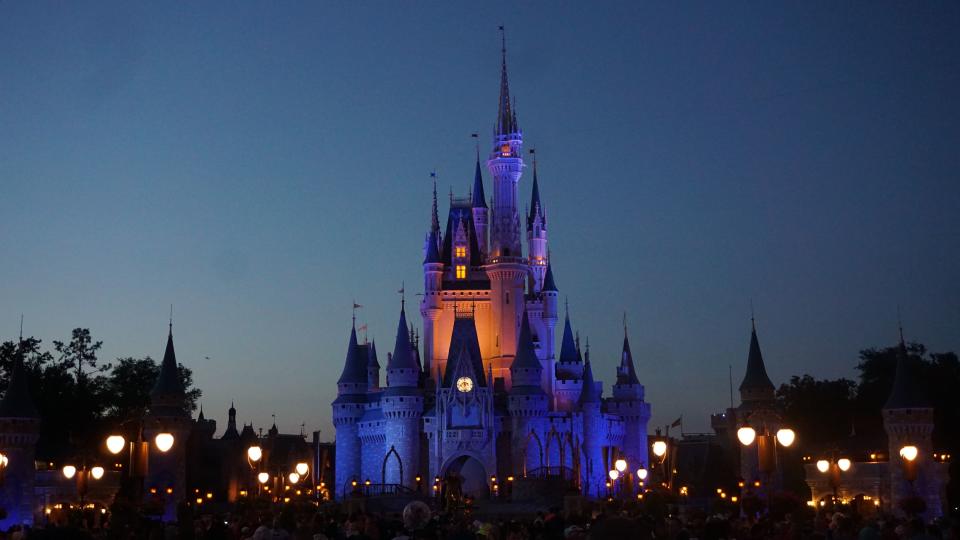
[461,251]
[461,271]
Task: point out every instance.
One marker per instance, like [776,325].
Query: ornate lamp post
[833,467]
[909,455]
[83,476]
[766,447]
[139,455]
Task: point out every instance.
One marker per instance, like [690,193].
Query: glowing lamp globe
[4,461]
[294,478]
[786,437]
[620,465]
[254,453]
[302,468]
[263,478]
[746,435]
[909,453]
[642,474]
[97,473]
[844,464]
[614,474]
[659,448]
[823,465]
[115,444]
[69,471]
[164,441]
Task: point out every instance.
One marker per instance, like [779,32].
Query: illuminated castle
[491,397]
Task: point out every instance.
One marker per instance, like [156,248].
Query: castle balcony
[464,435]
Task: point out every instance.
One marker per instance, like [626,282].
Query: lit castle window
[461,251]
[461,271]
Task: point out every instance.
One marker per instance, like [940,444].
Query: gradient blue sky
[259,165]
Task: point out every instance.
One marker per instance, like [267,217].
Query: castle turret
[538,256]
[431,306]
[168,414]
[373,368]
[347,410]
[592,470]
[402,404]
[527,403]
[908,421]
[758,409]
[19,431]
[569,369]
[231,433]
[480,210]
[628,402]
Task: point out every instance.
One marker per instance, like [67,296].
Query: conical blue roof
[355,366]
[16,402]
[756,382]
[907,392]
[477,197]
[168,382]
[626,374]
[590,393]
[568,347]
[526,355]
[549,285]
[403,357]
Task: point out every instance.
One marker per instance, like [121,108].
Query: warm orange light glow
[823,465]
[97,473]
[461,271]
[263,478]
[164,441]
[786,436]
[746,435]
[620,465]
[659,448]
[115,444]
[461,251]
[909,453]
[69,471]
[844,464]
[302,469]
[254,453]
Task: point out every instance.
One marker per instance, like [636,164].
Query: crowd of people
[419,522]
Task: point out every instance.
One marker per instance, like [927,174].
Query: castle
[491,397]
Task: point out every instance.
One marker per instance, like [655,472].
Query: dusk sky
[261,165]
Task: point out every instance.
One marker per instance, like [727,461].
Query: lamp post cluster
[622,482]
[281,482]
[766,448]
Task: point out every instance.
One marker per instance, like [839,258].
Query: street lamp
[620,465]
[659,448]
[254,454]
[116,444]
[164,441]
[294,478]
[263,477]
[833,467]
[302,469]
[766,446]
[642,474]
[909,456]
[83,475]
[746,435]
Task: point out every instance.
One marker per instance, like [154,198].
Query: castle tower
[373,368]
[592,471]
[757,408]
[538,256]
[168,414]
[527,404]
[480,211]
[431,306]
[628,402]
[569,370]
[347,410]
[506,267]
[402,404]
[231,433]
[908,421]
[19,431]
[549,295]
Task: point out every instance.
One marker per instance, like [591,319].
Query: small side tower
[19,431]
[592,470]
[373,368]
[168,414]
[628,402]
[569,370]
[908,421]
[402,404]
[231,433]
[347,410]
[550,298]
[758,408]
[527,404]
[480,211]
[431,306]
[538,256]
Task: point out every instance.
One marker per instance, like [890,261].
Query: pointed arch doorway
[470,473]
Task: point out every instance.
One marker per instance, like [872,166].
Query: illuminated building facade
[490,397]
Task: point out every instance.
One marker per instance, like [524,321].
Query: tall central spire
[507,116]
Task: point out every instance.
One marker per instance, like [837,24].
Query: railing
[377,490]
[552,473]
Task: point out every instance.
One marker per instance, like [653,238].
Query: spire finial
[476,142]
[624,324]
[403,295]
[900,326]
[566,306]
[753,321]
[356,306]
[21,328]
[170,326]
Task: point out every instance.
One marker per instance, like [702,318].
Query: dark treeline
[79,398]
